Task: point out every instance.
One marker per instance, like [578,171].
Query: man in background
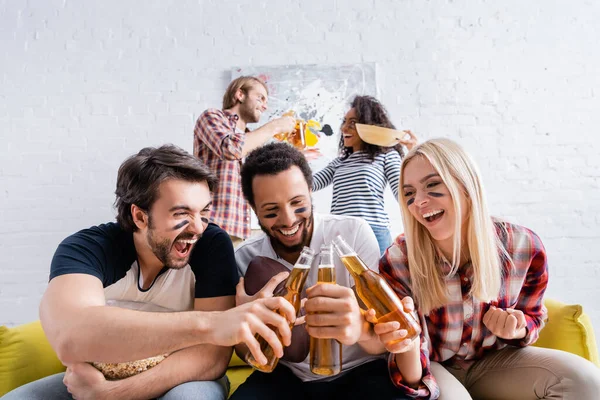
[222,140]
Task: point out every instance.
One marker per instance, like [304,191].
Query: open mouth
[433,215]
[290,233]
[184,246]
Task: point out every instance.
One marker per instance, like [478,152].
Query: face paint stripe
[410,201]
[301,210]
[435,194]
[181,225]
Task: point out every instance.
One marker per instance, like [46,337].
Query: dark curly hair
[272,159]
[370,111]
[140,176]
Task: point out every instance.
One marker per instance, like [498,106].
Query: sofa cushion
[568,329]
[237,376]
[236,361]
[25,356]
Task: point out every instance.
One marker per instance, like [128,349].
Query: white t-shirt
[359,235]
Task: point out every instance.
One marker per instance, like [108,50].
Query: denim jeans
[53,388]
[384,238]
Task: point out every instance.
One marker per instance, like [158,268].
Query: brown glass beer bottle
[293,289]
[375,292]
[325,354]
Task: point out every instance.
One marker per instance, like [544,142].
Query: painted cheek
[204,219]
[410,201]
[300,210]
[435,194]
[270,216]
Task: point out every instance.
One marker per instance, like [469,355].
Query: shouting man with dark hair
[161,281]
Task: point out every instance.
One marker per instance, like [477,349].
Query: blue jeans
[53,388]
[384,238]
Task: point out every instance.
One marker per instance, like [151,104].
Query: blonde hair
[462,178]
[243,83]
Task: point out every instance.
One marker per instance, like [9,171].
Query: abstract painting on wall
[315,92]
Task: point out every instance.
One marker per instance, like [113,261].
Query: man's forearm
[197,363]
[112,334]
[256,138]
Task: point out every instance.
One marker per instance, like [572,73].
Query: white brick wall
[85,84]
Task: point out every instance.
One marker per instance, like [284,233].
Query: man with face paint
[276,181]
[161,280]
[222,140]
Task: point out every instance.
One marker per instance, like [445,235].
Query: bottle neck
[299,273]
[326,259]
[354,264]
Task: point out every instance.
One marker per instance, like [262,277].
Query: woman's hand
[390,334]
[409,142]
[506,324]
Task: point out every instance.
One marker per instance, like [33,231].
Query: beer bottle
[375,292]
[292,291]
[325,354]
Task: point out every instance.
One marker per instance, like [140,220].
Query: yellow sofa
[26,355]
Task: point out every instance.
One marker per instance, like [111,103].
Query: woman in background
[478,285]
[362,171]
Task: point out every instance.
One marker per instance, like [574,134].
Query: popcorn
[114,371]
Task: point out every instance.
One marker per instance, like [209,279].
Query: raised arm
[258,137]
[218,133]
[324,177]
[80,327]
[391,170]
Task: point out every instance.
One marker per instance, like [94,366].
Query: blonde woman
[477,285]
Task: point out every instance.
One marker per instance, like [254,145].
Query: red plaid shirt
[455,333]
[219,145]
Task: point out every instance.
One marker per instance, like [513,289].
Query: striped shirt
[218,144]
[358,185]
[455,333]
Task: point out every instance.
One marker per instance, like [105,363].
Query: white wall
[85,84]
